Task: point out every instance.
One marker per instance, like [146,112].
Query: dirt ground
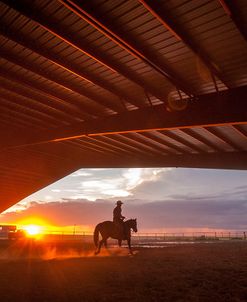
[188,272]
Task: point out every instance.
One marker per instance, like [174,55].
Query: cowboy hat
[119,202]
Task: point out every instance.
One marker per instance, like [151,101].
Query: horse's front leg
[119,242]
[129,245]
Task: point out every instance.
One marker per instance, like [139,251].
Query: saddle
[119,230]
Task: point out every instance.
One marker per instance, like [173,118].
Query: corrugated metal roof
[103,83]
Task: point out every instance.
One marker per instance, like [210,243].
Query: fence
[165,238]
[151,239]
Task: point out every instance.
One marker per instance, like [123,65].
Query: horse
[108,229]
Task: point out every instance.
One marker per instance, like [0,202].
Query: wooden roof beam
[82,147]
[101,142]
[72,39]
[154,8]
[60,62]
[64,84]
[201,139]
[29,114]
[37,102]
[167,145]
[124,141]
[94,144]
[232,11]
[240,130]
[182,141]
[228,160]
[223,138]
[57,102]
[124,42]
[226,107]
[212,160]
[144,143]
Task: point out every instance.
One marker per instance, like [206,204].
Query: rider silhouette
[118,218]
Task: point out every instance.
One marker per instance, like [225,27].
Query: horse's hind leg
[105,243]
[99,247]
[100,244]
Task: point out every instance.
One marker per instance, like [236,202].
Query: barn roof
[119,83]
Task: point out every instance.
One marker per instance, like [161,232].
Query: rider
[118,218]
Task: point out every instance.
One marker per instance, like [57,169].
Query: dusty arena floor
[189,272]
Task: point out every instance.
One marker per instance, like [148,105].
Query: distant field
[70,272]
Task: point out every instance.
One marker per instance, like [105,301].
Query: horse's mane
[129,221]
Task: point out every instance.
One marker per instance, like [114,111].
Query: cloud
[192,213]
[151,184]
[105,183]
[80,173]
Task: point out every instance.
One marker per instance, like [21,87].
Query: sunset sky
[161,199]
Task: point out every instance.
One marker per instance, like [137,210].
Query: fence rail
[155,238]
[149,239]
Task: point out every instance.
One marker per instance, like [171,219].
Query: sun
[32,230]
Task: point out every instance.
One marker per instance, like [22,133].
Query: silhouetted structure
[89,84]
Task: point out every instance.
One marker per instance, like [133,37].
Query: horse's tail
[96,235]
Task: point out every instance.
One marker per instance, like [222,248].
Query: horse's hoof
[96,253]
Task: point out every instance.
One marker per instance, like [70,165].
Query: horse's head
[133,225]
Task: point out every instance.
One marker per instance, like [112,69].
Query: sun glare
[32,230]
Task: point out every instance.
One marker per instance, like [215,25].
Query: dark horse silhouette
[108,229]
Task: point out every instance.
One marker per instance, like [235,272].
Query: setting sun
[32,230]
